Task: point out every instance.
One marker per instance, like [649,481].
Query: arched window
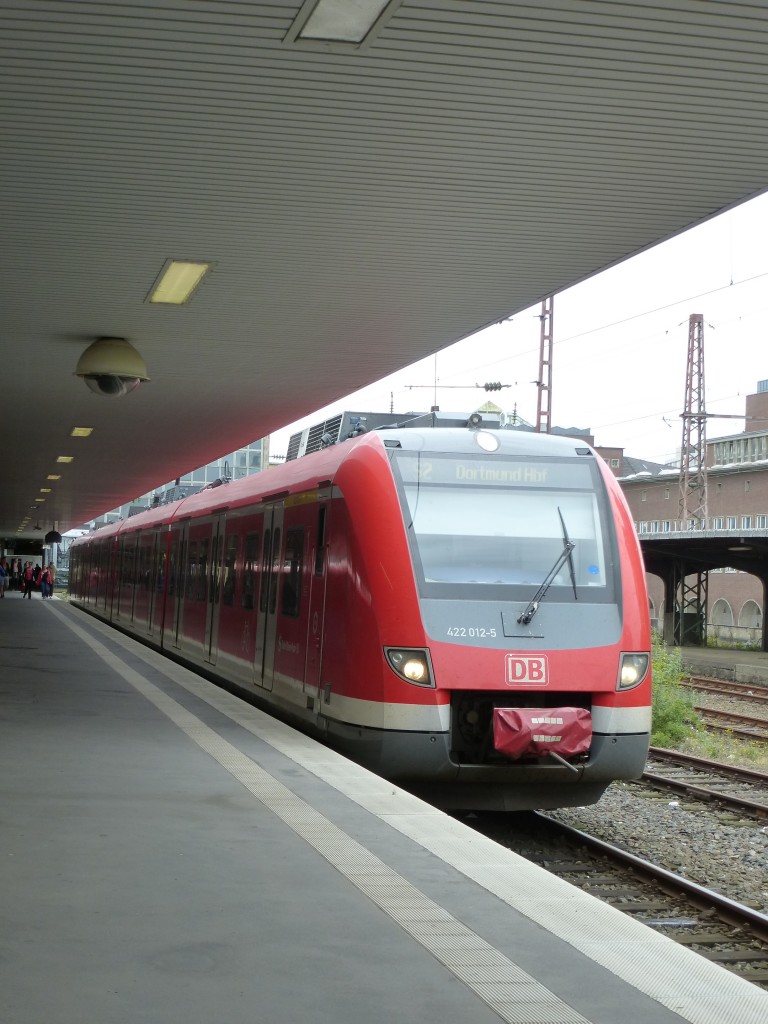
[722,614]
[751,615]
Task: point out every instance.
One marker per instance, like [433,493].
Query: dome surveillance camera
[110,385]
[111,367]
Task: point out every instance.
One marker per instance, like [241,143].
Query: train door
[101,571]
[112,567]
[104,566]
[159,582]
[177,555]
[214,585]
[144,580]
[126,577]
[238,608]
[316,606]
[266,628]
[193,630]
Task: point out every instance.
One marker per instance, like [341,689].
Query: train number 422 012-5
[473,631]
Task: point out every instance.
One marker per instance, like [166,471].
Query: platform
[172,854]
[719,663]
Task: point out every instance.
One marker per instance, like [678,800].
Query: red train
[463,611]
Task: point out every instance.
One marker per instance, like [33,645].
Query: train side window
[250,570]
[275,573]
[265,556]
[202,571]
[161,567]
[320,549]
[217,550]
[146,551]
[292,564]
[230,562]
[128,562]
[176,568]
[191,589]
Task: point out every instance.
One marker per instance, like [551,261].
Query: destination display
[431,469]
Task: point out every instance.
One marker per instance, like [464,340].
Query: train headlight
[633,668]
[411,664]
[488,442]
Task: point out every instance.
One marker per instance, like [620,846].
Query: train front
[534,606]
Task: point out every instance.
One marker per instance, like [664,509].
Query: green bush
[677,725]
[674,718]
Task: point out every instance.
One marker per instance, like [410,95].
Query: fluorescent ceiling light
[65,458]
[45,490]
[177,280]
[41,500]
[81,431]
[54,476]
[344,21]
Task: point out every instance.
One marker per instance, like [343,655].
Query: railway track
[751,692]
[741,790]
[713,925]
[747,727]
[732,696]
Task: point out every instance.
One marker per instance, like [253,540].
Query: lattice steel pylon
[544,403]
[693,453]
[691,589]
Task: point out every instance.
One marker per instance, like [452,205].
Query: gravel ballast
[708,846]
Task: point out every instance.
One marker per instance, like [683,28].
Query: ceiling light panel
[177,281]
[339,21]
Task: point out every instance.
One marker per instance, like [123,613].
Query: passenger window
[265,557]
[228,593]
[202,571]
[292,564]
[274,575]
[320,549]
[250,570]
[191,588]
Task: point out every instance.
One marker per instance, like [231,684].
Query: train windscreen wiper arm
[570,546]
[563,557]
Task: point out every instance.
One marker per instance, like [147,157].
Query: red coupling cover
[520,732]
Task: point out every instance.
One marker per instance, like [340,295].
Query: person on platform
[28,579]
[46,582]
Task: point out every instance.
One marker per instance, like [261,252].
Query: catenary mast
[693,453]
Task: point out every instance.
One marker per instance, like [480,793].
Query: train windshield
[484,523]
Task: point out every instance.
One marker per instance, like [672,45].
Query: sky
[620,346]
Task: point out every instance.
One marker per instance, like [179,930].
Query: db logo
[532,671]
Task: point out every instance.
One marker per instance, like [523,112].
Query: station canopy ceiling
[363,198]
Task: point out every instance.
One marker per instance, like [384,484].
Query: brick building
[737,493]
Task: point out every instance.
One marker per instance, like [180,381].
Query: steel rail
[726,689]
[729,800]
[690,760]
[729,910]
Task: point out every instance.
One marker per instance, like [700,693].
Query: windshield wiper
[563,557]
[570,546]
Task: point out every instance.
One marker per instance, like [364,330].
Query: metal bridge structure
[683,560]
